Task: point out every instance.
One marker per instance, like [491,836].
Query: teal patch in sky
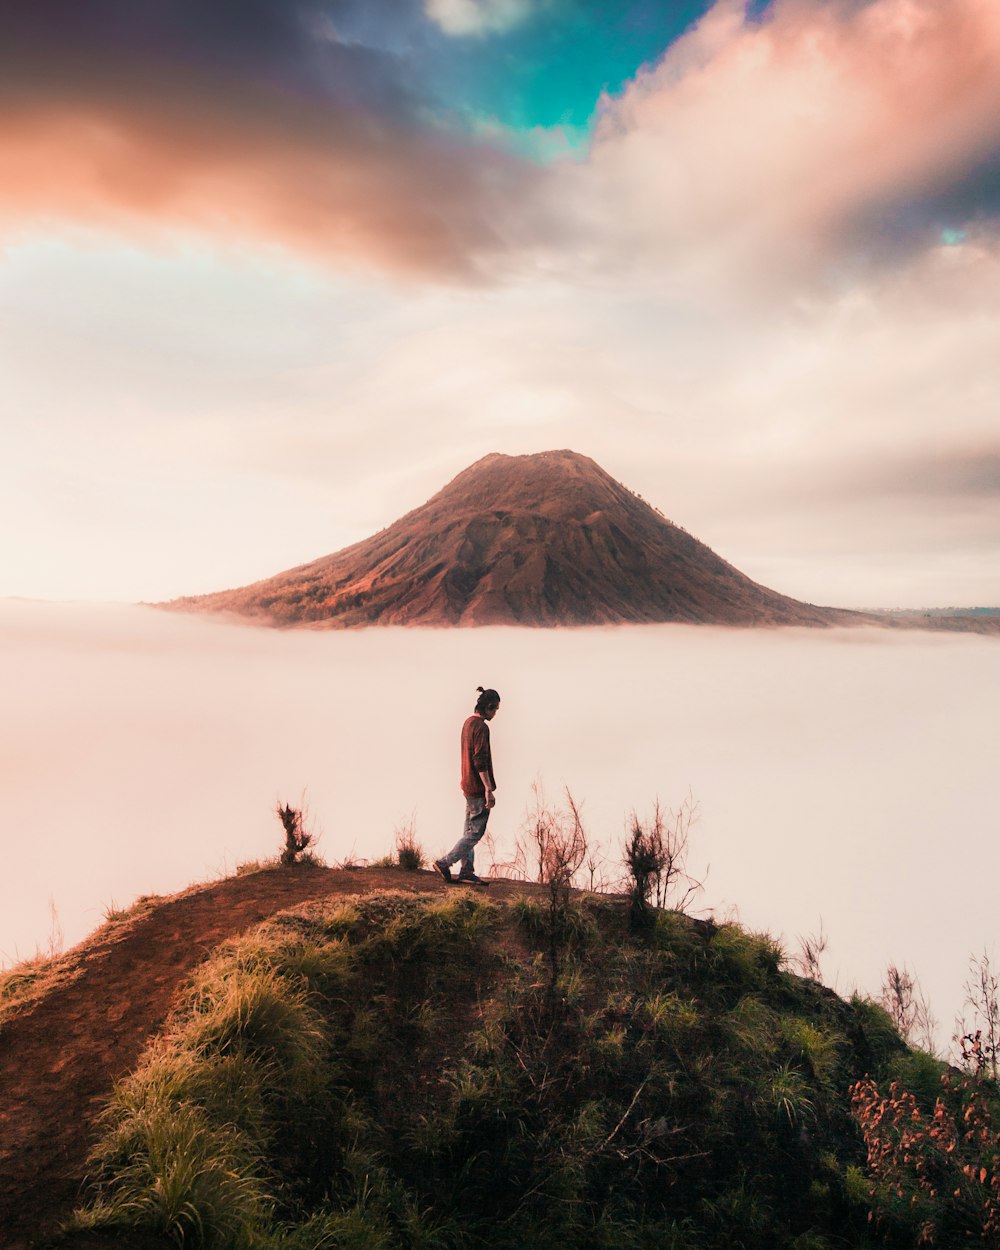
[951,237]
[550,71]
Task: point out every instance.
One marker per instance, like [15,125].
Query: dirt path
[60,1056]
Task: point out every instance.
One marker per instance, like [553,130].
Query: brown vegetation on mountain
[545,539]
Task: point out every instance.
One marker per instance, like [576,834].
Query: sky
[272,272]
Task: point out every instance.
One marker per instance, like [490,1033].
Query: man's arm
[482,760]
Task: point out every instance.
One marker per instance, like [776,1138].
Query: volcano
[545,539]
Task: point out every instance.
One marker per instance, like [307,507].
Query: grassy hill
[382,1067]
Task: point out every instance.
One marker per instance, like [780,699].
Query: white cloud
[478,17]
[782,149]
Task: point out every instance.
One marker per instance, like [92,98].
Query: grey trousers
[476,816]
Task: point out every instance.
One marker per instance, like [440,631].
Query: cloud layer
[825,134]
[262,120]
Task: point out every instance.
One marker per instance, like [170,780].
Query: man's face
[490,712]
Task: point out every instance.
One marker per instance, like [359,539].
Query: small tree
[655,859]
[297,838]
[908,1007]
[978,1037]
[593,875]
[557,843]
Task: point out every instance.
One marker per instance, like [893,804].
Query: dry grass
[29,980]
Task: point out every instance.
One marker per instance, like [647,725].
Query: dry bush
[514,868]
[541,852]
[557,843]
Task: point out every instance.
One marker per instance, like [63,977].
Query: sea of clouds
[842,776]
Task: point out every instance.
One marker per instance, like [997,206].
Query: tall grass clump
[409,854]
[166,1169]
[257,1013]
[211,1130]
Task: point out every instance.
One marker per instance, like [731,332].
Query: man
[478,786]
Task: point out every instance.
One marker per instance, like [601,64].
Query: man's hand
[488,794]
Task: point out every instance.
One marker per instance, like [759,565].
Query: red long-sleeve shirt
[476,757]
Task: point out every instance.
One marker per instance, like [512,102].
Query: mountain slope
[545,539]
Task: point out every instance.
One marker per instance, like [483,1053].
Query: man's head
[487,703]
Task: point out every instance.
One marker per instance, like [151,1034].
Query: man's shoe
[470,878]
[442,869]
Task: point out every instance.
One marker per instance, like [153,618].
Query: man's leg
[476,816]
[475,827]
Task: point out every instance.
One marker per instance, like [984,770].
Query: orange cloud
[143,146]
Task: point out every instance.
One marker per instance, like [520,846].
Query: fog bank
[847,774]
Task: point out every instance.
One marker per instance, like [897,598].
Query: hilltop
[544,539]
[312,1058]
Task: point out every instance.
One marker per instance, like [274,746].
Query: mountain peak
[545,482]
[548,538]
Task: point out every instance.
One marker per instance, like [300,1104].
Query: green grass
[113,914]
[177,1174]
[402,1072]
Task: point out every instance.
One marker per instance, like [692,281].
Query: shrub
[788,1095]
[746,961]
[409,854]
[297,837]
[937,1172]
[751,1028]
[877,1033]
[813,1048]
[655,857]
